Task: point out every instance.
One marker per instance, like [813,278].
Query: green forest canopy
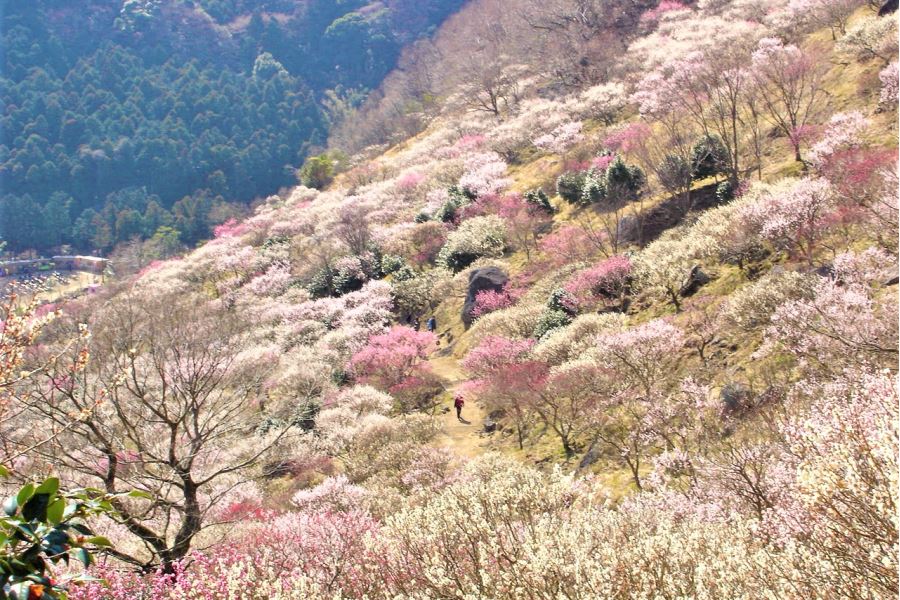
[122,117]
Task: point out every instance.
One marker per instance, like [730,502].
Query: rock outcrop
[485,278]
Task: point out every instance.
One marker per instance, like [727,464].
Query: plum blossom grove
[686,357]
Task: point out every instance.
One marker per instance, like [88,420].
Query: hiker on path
[458,402]
[431,324]
[417,325]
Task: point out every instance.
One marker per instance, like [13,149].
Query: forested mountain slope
[122,118]
[664,268]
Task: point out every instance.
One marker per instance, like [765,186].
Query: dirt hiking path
[462,437]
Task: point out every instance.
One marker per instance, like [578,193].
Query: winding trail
[464,438]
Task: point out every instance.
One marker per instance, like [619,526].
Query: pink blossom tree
[789,82]
[524,222]
[638,364]
[796,218]
[864,180]
[506,379]
[833,14]
[510,378]
[568,243]
[627,138]
[841,326]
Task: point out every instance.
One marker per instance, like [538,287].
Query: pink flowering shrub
[156,265]
[651,17]
[600,163]
[292,555]
[628,138]
[394,358]
[494,353]
[409,181]
[605,280]
[469,143]
[230,228]
[487,301]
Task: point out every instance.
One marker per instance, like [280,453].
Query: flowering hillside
[667,274]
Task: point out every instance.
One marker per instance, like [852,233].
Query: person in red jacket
[458,402]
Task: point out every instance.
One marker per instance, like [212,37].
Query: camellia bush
[42,528]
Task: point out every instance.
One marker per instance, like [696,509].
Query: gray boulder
[736,398]
[694,281]
[590,457]
[485,278]
[825,271]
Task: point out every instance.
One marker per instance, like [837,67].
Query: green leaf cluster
[42,526]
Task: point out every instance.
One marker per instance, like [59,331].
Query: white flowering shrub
[484,174]
[661,267]
[602,102]
[363,399]
[843,132]
[870,37]
[476,237]
[333,494]
[753,305]
[572,342]
[518,321]
[560,139]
